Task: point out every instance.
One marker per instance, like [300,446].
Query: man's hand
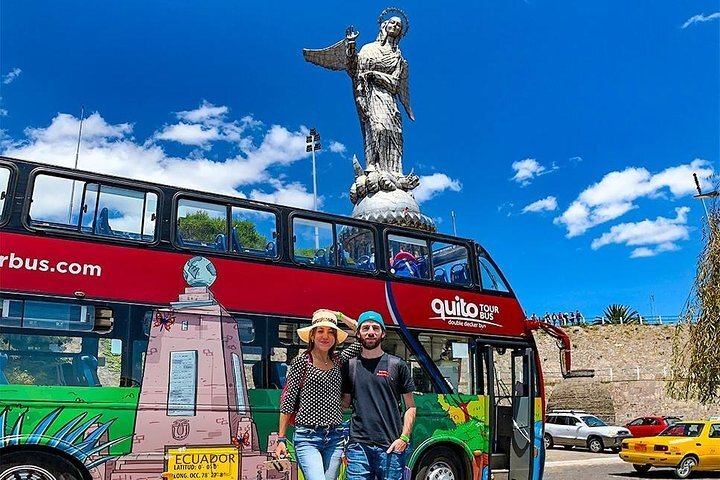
[398,446]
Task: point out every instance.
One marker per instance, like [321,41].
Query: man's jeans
[319,451]
[369,462]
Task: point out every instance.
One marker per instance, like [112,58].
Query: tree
[696,346]
[619,314]
[199,227]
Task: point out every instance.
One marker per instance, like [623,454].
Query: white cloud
[111,148]
[293,194]
[189,134]
[700,18]
[3,112]
[526,170]
[204,113]
[651,236]
[548,204]
[431,185]
[614,194]
[11,76]
[337,147]
[206,124]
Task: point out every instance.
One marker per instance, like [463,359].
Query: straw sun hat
[322,318]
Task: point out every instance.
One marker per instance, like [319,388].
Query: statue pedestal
[397,207]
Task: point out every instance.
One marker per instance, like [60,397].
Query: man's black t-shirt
[377,387]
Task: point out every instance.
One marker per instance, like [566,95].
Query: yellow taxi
[687,446]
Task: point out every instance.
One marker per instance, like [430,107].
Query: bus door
[521,447]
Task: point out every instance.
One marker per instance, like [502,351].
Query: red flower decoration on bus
[164,321]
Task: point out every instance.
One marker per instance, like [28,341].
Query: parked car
[650,426]
[686,446]
[574,428]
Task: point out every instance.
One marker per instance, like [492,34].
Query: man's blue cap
[370,316]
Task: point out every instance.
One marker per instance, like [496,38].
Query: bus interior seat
[459,274]
[320,257]
[422,266]
[235,241]
[220,242]
[270,249]
[66,375]
[440,275]
[342,260]
[85,367]
[179,239]
[103,222]
[3,363]
[280,374]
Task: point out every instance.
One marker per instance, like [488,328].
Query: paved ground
[580,464]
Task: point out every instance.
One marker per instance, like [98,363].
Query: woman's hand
[281,450]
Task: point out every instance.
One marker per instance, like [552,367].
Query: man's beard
[370,343]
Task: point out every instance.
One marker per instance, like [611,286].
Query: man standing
[375,382]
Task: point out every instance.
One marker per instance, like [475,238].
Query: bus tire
[440,463]
[38,466]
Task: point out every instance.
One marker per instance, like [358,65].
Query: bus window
[109,361]
[394,345]
[125,213]
[312,242]
[246,330]
[450,264]
[201,225]
[4,186]
[408,257]
[59,360]
[56,202]
[455,360]
[253,232]
[356,249]
[489,276]
[63,316]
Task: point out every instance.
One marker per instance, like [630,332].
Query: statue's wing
[404,91]
[333,57]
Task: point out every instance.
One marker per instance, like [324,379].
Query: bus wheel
[440,463]
[37,466]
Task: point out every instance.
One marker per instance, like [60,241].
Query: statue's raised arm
[340,56]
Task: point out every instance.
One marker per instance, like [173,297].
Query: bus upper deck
[66,232]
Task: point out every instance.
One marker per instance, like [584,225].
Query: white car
[573,428]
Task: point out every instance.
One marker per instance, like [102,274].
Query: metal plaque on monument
[379,73]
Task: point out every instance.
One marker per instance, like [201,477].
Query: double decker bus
[146,330]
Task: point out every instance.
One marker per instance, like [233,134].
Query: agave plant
[81,437]
[619,314]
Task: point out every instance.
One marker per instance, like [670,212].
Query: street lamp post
[312,144]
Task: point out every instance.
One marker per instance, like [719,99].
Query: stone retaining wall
[632,364]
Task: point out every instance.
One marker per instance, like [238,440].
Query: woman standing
[313,394]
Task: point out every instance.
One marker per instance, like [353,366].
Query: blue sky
[563,134]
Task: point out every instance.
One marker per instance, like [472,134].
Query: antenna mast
[77,156]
